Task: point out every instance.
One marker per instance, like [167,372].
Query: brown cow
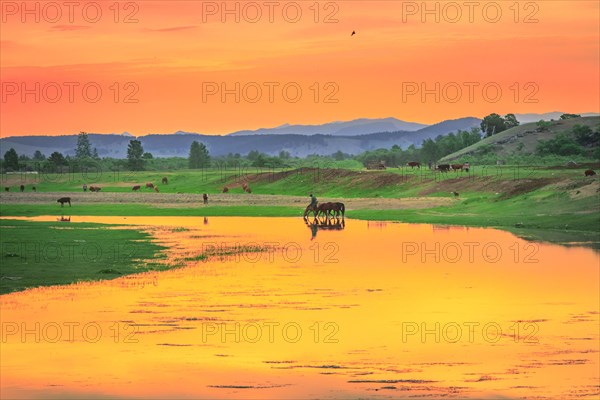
[205,198]
[95,188]
[136,188]
[245,186]
[443,167]
[64,200]
[248,190]
[156,189]
[165,180]
[225,189]
[149,185]
[413,164]
[590,172]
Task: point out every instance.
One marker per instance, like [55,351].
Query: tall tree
[134,155]
[57,159]
[84,148]
[429,150]
[199,156]
[510,121]
[38,156]
[11,159]
[492,124]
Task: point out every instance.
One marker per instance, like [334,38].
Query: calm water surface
[377,310]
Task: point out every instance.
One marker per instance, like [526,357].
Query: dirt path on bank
[165,200]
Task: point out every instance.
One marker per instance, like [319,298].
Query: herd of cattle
[327,209]
[442,167]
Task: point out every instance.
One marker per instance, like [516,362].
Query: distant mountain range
[352,137]
[341,128]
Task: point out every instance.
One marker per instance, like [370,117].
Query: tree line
[583,141]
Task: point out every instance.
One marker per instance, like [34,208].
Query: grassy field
[553,199]
[51,253]
[331,182]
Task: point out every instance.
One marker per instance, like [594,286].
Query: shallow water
[371,310]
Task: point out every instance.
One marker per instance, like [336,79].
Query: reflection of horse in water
[328,224]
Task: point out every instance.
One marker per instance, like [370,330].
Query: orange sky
[175,49]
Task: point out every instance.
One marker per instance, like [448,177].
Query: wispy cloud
[66,28]
[171,28]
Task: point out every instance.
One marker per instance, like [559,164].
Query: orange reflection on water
[402,310]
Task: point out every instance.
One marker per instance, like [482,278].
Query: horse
[443,167]
[205,198]
[64,200]
[324,209]
[590,172]
[331,209]
[413,164]
[22,188]
[313,209]
[165,180]
[156,189]
[225,189]
[339,208]
[136,188]
[149,185]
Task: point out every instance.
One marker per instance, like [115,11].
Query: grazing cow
[64,200]
[456,194]
[456,167]
[443,167]
[225,189]
[165,180]
[205,198]
[6,189]
[95,188]
[413,164]
[136,188]
[248,190]
[149,185]
[590,172]
[22,188]
[156,189]
[34,189]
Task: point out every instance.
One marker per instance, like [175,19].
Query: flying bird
[353,33]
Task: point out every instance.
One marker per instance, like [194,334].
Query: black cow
[64,200]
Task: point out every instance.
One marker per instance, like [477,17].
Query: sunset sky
[543,55]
